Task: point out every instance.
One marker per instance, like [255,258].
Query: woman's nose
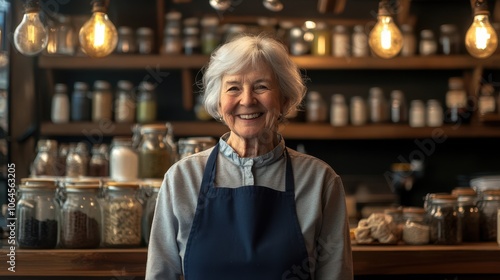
[247,97]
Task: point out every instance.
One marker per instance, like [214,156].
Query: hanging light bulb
[98,36]
[385,38]
[481,40]
[31,36]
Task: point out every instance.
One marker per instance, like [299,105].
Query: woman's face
[250,102]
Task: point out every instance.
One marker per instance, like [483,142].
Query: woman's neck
[248,148]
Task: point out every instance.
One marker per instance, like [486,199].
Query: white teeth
[250,116]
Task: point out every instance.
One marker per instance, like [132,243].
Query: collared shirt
[319,196]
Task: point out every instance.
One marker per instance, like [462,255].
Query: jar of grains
[151,189]
[445,228]
[154,154]
[37,214]
[468,213]
[488,205]
[122,215]
[81,216]
[415,229]
[123,160]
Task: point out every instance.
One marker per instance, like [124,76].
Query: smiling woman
[254,205]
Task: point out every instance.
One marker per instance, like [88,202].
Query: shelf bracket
[187,89]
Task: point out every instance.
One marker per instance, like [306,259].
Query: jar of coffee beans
[122,215]
[37,214]
[468,213]
[444,225]
[488,205]
[81,216]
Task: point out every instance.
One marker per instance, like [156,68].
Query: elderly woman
[250,208]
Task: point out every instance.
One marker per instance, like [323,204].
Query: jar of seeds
[122,215]
[415,229]
[445,228]
[81,216]
[488,205]
[37,214]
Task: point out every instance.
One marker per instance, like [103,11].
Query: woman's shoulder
[308,162]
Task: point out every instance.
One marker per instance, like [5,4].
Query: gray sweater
[319,196]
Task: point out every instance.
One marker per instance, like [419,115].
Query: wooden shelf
[302,131]
[309,62]
[477,258]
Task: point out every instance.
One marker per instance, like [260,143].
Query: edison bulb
[385,38]
[30,36]
[98,36]
[481,39]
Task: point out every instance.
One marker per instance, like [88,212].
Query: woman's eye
[260,88]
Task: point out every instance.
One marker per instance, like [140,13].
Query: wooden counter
[478,258]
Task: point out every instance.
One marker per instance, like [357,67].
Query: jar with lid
[154,154]
[191,44]
[428,44]
[409,40]
[172,39]
[60,104]
[80,103]
[145,40]
[339,113]
[449,39]
[297,45]
[146,103]
[37,214]
[377,105]
[80,216]
[488,204]
[123,160]
[486,103]
[316,110]
[124,102]
[321,44]
[192,145]
[417,113]
[445,227]
[151,188]
[415,229]
[210,37]
[61,36]
[122,215]
[75,163]
[99,165]
[358,111]
[45,162]
[457,110]
[360,46]
[62,154]
[468,213]
[399,111]
[102,102]
[341,41]
[434,113]
[126,40]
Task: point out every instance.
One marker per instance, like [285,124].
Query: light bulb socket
[384,8]
[98,6]
[481,7]
[31,6]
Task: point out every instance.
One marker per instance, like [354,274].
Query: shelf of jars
[307,62]
[289,131]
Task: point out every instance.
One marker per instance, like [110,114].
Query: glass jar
[340,41]
[81,216]
[122,215]
[146,103]
[377,105]
[360,46]
[123,160]
[321,44]
[316,110]
[154,154]
[126,40]
[399,111]
[415,229]
[80,103]
[98,164]
[298,46]
[172,39]
[37,214]
[358,111]
[434,113]
[468,213]
[428,44]
[125,102]
[45,163]
[339,114]
[60,104]
[75,163]
[191,43]
[102,102]
[145,40]
[210,34]
[449,39]
[62,154]
[66,37]
[192,145]
[409,40]
[456,102]
[151,188]
[488,204]
[445,227]
[417,113]
[486,102]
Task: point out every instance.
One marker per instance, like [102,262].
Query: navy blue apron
[245,233]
